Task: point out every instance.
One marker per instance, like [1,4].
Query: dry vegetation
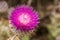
[48,29]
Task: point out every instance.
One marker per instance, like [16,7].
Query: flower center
[24,18]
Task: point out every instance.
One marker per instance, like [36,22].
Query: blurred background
[48,28]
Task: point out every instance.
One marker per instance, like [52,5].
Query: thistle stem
[29,2]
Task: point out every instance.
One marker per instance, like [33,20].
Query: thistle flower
[58,38]
[24,18]
[3,6]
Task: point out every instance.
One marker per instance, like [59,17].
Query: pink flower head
[24,18]
[58,38]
